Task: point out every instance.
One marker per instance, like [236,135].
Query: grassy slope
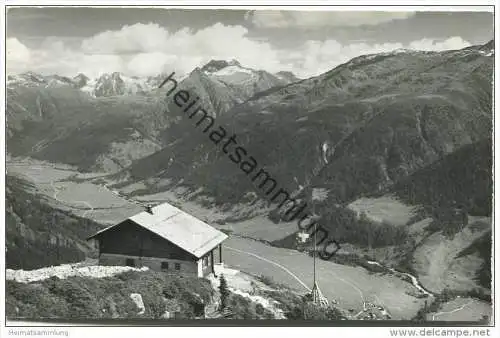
[109,298]
[350,286]
[455,262]
[482,246]
[90,298]
[463,180]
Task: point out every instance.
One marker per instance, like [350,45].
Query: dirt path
[297,278]
[452,311]
[324,271]
[274,263]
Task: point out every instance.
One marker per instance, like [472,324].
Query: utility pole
[314,255]
[317,295]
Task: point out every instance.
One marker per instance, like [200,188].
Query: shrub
[241,308]
[81,303]
[128,275]
[259,309]
[156,308]
[269,281]
[311,311]
[79,297]
[288,302]
[170,290]
[224,292]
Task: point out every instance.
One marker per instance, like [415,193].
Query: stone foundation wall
[187,268]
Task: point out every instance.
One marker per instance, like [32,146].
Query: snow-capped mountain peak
[240,82]
[234,74]
[115,84]
[216,65]
[27,79]
[488,49]
[58,81]
[287,76]
[110,85]
[232,69]
[80,80]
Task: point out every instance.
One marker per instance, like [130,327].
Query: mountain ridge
[43,113]
[340,118]
[118,84]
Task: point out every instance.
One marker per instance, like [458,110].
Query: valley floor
[350,286]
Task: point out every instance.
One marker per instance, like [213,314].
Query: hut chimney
[149,209]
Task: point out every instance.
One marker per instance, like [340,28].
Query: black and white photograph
[276,165]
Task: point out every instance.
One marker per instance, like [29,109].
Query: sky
[148,41]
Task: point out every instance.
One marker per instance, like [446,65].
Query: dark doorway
[130,262]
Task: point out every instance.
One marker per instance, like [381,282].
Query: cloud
[316,57]
[455,42]
[149,49]
[18,55]
[130,39]
[312,19]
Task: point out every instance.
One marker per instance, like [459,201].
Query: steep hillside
[39,235]
[462,179]
[356,129]
[221,84]
[445,238]
[459,262]
[105,124]
[64,125]
[481,247]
